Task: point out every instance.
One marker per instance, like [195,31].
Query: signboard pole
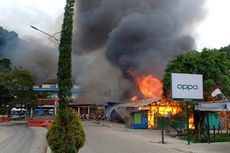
[208,127]
[162,135]
[187,88]
[188,132]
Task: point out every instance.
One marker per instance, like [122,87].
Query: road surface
[102,137]
[19,138]
[114,138]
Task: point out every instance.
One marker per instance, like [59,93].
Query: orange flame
[160,109]
[191,122]
[149,86]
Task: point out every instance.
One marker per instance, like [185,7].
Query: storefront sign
[187,87]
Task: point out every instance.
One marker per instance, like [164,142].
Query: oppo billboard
[187,86]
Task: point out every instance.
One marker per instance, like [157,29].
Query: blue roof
[74,90]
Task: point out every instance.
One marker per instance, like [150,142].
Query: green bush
[224,137]
[67,136]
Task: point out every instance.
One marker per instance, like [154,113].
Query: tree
[20,84]
[5,65]
[64,134]
[226,49]
[5,96]
[16,86]
[213,64]
[64,73]
[75,138]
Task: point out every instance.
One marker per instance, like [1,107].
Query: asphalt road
[113,138]
[19,138]
[110,139]
[102,137]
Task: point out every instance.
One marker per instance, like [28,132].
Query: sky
[19,15]
[214,31]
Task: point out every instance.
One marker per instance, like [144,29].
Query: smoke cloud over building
[143,35]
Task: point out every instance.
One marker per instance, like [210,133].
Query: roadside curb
[12,123]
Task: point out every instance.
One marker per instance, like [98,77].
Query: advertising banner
[187,87]
[215,107]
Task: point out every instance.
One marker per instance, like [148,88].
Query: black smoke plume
[139,34]
[35,55]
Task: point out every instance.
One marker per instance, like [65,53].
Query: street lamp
[53,38]
[50,36]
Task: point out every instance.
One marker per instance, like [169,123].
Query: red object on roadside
[7,119]
[40,123]
[4,119]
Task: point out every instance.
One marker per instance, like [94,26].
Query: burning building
[157,108]
[158,111]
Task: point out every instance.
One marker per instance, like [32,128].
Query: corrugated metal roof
[139,103]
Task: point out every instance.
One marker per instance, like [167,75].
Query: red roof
[41,102]
[51,81]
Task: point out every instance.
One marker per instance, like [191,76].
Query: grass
[224,137]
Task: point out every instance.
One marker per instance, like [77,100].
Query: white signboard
[217,107]
[187,86]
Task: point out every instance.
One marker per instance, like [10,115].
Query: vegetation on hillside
[7,38]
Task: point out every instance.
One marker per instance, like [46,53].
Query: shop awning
[214,106]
